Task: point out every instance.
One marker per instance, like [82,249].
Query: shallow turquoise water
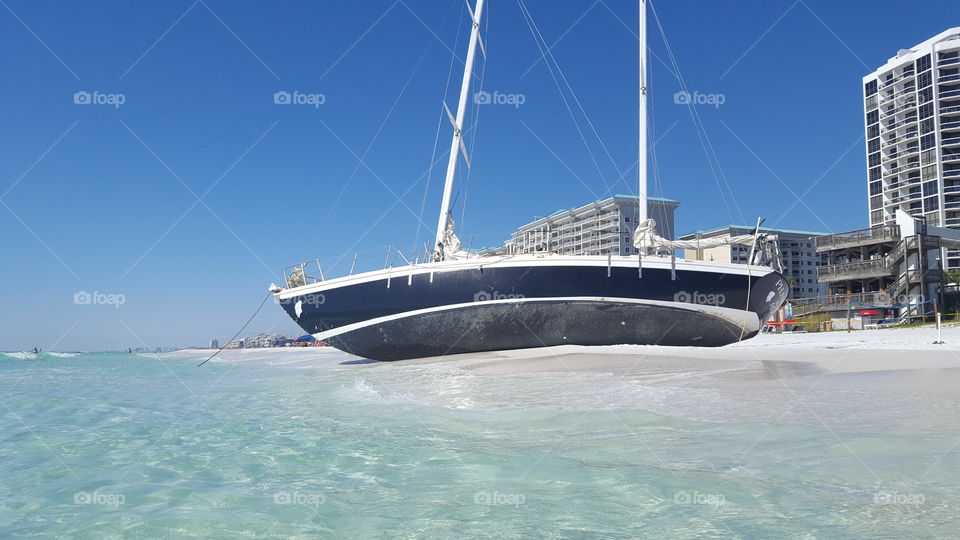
[116,445]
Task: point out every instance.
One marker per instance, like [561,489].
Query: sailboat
[457,302]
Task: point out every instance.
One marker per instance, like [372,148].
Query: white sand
[830,352]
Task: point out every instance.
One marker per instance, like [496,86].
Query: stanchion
[939,340]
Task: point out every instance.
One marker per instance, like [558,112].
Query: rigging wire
[543,52]
[436,137]
[476,123]
[705,143]
[575,98]
[383,123]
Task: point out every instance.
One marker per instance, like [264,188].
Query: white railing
[898,78]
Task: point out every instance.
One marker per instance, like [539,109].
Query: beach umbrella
[869,313]
[306,337]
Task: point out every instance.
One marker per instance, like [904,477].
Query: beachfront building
[912,123]
[800,257]
[896,269]
[598,228]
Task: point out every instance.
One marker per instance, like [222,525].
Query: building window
[925,95]
[870,88]
[923,63]
[873,117]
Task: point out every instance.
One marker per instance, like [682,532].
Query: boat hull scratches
[498,326]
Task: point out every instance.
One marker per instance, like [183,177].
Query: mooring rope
[242,328]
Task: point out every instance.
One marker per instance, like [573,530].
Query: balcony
[854,270]
[902,77]
[948,61]
[912,104]
[897,95]
[874,235]
[902,138]
[949,78]
[902,168]
[894,125]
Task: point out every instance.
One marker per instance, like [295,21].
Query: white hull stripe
[405,272]
[738,317]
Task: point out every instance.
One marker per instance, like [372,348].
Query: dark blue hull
[407,314]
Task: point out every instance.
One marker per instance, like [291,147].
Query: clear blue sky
[103,198]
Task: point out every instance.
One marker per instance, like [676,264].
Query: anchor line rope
[242,328]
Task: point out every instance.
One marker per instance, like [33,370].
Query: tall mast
[642,158]
[457,143]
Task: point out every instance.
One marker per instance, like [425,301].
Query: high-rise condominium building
[912,113]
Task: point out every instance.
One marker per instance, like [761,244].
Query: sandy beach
[829,352]
[834,375]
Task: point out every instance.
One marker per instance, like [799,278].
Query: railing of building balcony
[949,94]
[895,80]
[950,157]
[854,270]
[902,138]
[949,61]
[951,140]
[894,125]
[897,94]
[948,78]
[900,154]
[908,105]
[900,169]
[840,302]
[950,110]
[950,125]
[885,233]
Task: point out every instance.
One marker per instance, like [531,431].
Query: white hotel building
[912,122]
[598,228]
